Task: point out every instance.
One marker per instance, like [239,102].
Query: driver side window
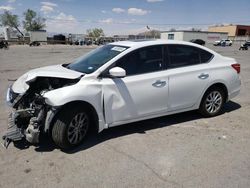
[143,60]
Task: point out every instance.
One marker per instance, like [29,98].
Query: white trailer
[40,36]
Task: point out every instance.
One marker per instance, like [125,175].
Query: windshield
[95,59]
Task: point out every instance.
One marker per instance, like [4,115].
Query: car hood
[21,85]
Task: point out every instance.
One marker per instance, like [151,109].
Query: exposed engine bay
[31,115]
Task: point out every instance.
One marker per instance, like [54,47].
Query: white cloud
[104,11]
[63,23]
[113,21]
[46,9]
[137,11]
[11,1]
[6,8]
[107,21]
[46,3]
[154,1]
[118,10]
[63,16]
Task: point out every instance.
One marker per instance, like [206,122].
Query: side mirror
[117,72]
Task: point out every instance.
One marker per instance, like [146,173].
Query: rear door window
[184,55]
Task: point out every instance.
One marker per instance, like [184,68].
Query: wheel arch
[93,114]
[218,85]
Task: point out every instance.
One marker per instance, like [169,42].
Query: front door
[143,92]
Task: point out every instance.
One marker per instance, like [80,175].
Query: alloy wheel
[214,102]
[78,128]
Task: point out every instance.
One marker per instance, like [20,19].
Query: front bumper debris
[23,124]
[13,133]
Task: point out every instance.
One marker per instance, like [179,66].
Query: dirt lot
[183,150]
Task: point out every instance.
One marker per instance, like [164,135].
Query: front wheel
[212,102]
[70,127]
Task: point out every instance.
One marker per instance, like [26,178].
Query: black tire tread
[59,134]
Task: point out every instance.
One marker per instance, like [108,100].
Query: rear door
[189,75]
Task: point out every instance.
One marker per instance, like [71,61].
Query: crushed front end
[30,112]
[27,116]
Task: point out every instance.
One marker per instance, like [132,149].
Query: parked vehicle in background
[223,42]
[76,43]
[245,46]
[4,45]
[35,43]
[247,43]
[198,41]
[88,42]
[119,83]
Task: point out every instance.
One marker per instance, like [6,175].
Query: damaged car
[119,83]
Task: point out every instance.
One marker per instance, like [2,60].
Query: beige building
[232,30]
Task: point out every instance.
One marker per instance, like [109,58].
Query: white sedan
[223,42]
[119,83]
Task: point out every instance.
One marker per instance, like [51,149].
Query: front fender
[90,93]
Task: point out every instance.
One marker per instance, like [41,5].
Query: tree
[95,33]
[10,20]
[155,34]
[33,22]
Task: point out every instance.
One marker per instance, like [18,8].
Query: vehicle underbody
[31,116]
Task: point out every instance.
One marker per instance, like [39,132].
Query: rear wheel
[70,127]
[212,102]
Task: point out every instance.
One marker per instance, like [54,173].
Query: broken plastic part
[6,143]
[12,134]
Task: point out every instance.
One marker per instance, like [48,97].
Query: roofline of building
[237,25]
[194,31]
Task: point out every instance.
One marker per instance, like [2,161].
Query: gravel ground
[183,150]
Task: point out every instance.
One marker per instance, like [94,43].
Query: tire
[70,127]
[212,102]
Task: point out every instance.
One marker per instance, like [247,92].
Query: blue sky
[132,16]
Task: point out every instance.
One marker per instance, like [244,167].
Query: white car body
[138,97]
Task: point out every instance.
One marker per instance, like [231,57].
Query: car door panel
[136,96]
[186,85]
[188,76]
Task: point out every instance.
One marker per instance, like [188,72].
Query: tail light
[236,67]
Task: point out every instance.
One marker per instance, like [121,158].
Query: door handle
[203,76]
[159,83]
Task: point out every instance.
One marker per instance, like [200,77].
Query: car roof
[142,43]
